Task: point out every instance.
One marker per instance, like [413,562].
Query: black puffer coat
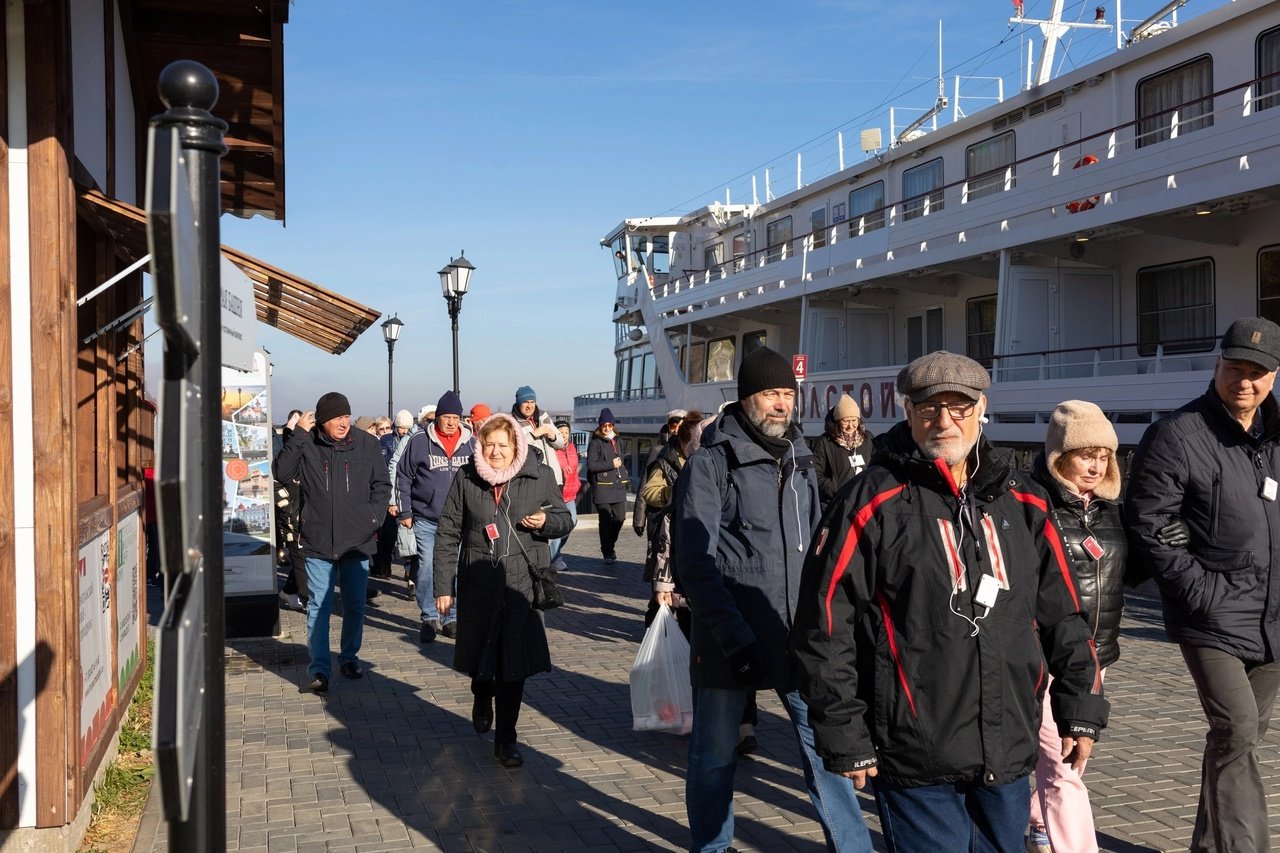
[608,484]
[1222,590]
[1100,582]
[892,675]
[836,465]
[497,624]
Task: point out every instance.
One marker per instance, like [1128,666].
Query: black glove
[745,667]
[638,528]
[1175,534]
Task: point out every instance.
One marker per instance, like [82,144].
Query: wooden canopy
[291,304]
[242,42]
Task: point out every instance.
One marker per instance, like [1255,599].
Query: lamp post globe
[455,279]
[391,333]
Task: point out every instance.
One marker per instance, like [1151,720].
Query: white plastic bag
[406,544]
[661,697]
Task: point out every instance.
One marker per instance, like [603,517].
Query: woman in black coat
[608,475]
[500,512]
[843,449]
[1079,471]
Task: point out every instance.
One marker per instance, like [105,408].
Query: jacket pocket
[1224,559]
[1215,499]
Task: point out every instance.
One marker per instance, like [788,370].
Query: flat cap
[942,371]
[1253,339]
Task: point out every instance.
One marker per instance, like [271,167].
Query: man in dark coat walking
[745,508]
[343,490]
[1215,464]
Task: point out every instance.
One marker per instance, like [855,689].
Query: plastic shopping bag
[661,698]
[406,544]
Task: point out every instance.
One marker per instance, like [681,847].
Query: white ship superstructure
[1089,237]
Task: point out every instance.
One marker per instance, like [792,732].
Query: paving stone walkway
[390,762]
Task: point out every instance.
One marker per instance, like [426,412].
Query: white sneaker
[290,601]
[559,564]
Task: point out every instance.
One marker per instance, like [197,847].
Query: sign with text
[239,317]
[800,366]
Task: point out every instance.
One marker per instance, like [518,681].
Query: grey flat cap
[1253,339]
[942,371]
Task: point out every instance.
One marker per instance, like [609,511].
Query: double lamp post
[454,281]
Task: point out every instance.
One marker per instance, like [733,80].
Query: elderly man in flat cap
[1214,464]
[933,585]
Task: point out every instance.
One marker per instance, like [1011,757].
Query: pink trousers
[1061,801]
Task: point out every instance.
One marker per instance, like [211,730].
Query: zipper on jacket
[1097,578]
[327,485]
[346,471]
[1214,500]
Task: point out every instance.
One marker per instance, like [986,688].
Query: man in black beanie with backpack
[343,492]
[746,505]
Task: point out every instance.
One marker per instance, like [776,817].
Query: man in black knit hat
[343,491]
[746,505]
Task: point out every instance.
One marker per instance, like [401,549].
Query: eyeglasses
[958,411]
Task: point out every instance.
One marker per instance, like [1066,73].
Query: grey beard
[761,422]
[936,453]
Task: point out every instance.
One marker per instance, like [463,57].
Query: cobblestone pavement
[391,762]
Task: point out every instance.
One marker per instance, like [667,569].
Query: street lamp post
[391,334]
[454,281]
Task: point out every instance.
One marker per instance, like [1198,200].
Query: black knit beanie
[764,369]
[330,406]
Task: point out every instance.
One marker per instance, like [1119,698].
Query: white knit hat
[404,418]
[1078,425]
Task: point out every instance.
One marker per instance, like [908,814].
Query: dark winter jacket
[608,484]
[658,494]
[1222,590]
[425,472]
[893,676]
[342,492]
[640,511]
[496,619]
[742,523]
[836,465]
[1099,581]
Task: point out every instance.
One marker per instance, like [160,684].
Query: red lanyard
[497,495]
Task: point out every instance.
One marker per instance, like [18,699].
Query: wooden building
[79,86]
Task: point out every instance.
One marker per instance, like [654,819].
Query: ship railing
[1051,187]
[1123,359]
[631,395]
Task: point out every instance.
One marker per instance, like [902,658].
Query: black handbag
[546,592]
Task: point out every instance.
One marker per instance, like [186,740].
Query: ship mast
[1054,28]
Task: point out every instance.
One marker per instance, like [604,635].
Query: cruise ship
[1090,237]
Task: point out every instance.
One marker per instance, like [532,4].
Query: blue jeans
[713,756]
[558,544]
[954,816]
[425,533]
[352,574]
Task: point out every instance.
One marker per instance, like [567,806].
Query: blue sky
[523,132]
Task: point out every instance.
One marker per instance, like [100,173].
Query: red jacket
[568,458]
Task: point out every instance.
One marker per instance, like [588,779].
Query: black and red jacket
[884,635]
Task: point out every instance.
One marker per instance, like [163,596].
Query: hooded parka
[1223,589]
[742,523]
[893,669]
[496,619]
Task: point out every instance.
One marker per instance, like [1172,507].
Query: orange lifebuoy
[1084,203]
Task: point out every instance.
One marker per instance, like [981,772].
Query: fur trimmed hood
[485,470]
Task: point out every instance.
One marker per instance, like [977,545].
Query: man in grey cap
[1214,465]
[908,676]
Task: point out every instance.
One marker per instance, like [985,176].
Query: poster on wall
[97,689]
[248,512]
[128,592]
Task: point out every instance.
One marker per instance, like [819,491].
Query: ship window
[1176,92]
[661,258]
[1175,308]
[698,362]
[1269,283]
[866,209]
[922,190]
[753,341]
[739,252]
[648,376]
[620,380]
[1268,69]
[986,164]
[619,249]
[980,329]
[777,236]
[720,360]
[818,225]
[712,258]
[924,332]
